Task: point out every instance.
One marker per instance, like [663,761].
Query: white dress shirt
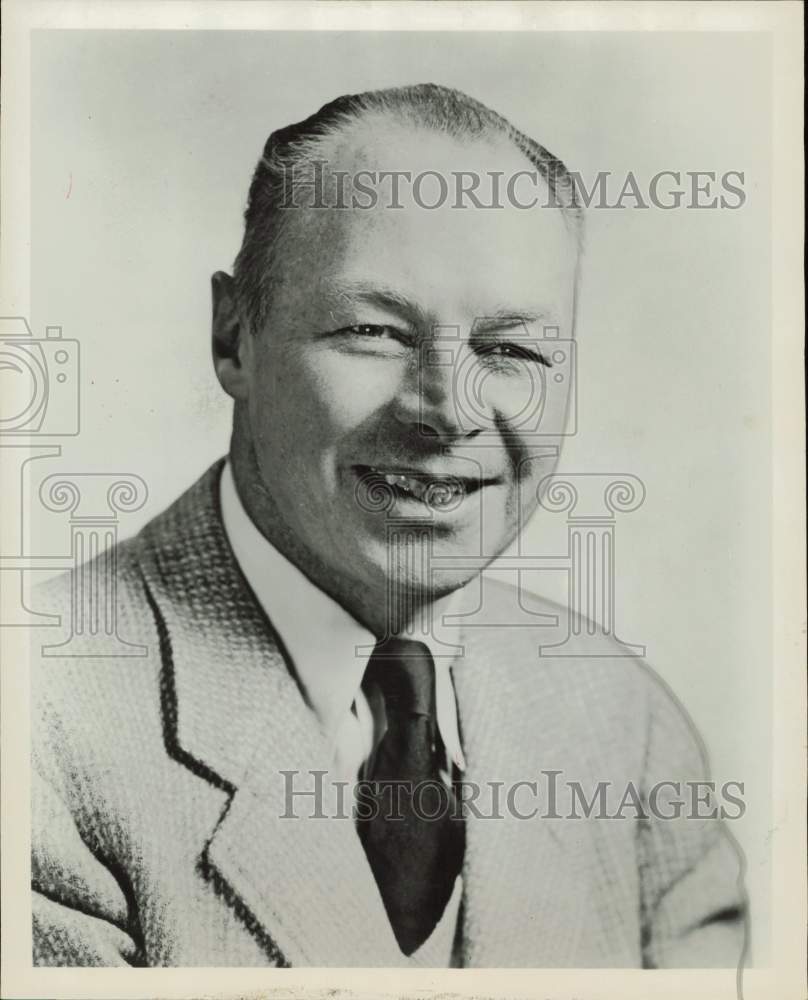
[330,649]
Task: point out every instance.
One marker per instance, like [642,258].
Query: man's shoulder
[529,647]
[532,629]
[100,651]
[98,638]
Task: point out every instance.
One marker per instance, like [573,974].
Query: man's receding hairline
[430,108]
[355,126]
[340,143]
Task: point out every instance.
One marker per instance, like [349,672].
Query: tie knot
[405,674]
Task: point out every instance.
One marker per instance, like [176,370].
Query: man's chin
[424,564]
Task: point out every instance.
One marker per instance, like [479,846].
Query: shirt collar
[328,646]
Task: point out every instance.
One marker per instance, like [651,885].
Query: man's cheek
[348,389]
[516,401]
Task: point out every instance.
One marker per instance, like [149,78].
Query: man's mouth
[436,490]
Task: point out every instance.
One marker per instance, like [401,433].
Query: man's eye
[373,338]
[514,351]
[377,331]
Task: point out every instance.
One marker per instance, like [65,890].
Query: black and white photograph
[401,443]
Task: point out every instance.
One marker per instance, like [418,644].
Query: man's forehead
[399,282]
[487,259]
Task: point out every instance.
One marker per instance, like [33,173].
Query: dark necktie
[415,839]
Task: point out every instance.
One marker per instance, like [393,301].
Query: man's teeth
[436,492]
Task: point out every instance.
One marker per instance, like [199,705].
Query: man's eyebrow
[381,296]
[507,319]
[395,301]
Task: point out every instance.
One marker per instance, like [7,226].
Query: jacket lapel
[234,714]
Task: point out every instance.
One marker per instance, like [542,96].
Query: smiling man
[396,411]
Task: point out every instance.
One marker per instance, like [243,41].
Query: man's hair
[291,149]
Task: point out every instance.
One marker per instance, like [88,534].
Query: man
[302,607]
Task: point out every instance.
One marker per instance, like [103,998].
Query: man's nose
[439,399]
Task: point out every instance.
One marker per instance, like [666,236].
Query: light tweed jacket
[157,837]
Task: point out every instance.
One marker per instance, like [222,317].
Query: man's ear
[228,334]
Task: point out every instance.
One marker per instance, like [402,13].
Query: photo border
[785,977]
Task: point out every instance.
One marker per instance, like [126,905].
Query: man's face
[401,374]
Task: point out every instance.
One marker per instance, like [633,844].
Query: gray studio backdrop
[143,143]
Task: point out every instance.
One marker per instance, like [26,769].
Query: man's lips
[436,489]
